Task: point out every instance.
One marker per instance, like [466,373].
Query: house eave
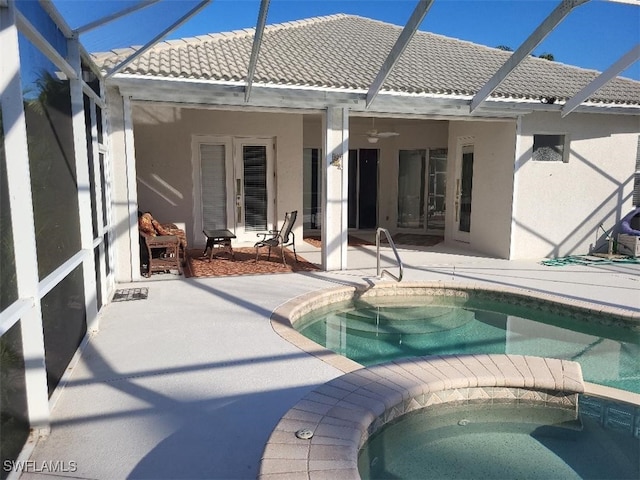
[231,94]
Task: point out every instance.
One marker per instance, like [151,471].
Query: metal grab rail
[395,251]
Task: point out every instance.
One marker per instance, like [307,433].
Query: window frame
[566,142]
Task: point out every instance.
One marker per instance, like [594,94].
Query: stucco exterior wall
[560,206]
[163,141]
[494,157]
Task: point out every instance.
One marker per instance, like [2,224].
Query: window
[549,148]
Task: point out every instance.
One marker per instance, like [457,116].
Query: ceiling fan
[374,135]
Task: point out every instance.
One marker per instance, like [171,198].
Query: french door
[464,190]
[234,188]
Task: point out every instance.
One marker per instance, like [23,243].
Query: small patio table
[218,240]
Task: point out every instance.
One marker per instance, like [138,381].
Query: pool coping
[339,416]
[344,412]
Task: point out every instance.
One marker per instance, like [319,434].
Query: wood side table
[218,240]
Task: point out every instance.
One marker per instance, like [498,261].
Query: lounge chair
[280,238]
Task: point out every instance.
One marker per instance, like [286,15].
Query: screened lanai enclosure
[232,130]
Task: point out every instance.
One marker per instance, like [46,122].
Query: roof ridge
[453,65]
[239,33]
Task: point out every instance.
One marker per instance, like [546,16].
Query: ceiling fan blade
[387,134]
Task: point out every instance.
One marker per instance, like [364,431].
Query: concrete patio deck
[190,382]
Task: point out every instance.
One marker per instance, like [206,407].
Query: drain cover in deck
[126,294]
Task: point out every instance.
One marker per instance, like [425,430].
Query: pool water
[500,441]
[371,333]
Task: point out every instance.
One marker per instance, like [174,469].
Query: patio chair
[280,238]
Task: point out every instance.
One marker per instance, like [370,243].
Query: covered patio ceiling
[371,100]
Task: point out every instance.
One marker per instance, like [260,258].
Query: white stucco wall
[559,206]
[163,136]
[493,166]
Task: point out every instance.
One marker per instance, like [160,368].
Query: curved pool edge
[285,316]
[344,412]
[341,425]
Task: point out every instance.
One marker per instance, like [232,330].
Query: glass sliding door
[422,179]
[411,183]
[436,189]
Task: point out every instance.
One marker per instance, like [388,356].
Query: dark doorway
[363,188]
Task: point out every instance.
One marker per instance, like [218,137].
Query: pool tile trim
[346,417]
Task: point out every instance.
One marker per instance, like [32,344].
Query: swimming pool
[525,441]
[408,322]
[341,415]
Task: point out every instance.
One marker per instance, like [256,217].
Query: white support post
[99,188]
[132,189]
[158,37]
[255,50]
[403,40]
[344,228]
[114,16]
[334,195]
[106,148]
[515,198]
[24,237]
[600,81]
[84,186]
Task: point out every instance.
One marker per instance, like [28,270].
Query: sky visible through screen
[594,36]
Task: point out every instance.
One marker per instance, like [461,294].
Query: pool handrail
[380,271]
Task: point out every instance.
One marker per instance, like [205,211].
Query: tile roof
[346,51]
